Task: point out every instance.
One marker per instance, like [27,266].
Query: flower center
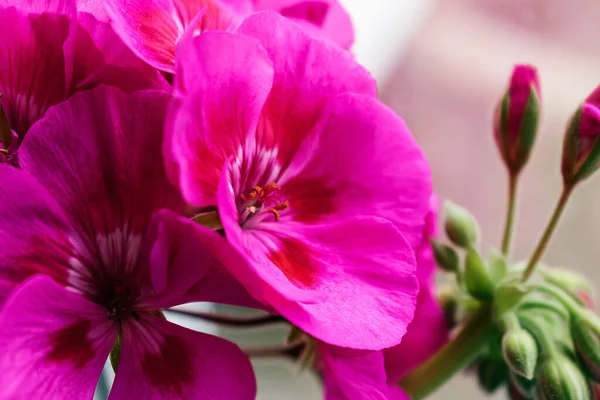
[261,199]
[120,299]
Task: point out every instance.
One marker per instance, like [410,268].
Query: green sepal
[477,278]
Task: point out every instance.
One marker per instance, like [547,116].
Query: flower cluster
[160,152]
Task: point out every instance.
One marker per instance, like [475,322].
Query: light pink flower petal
[221,85]
[160,360]
[308,72]
[53,343]
[108,169]
[361,159]
[32,71]
[326,277]
[94,54]
[352,374]
[33,229]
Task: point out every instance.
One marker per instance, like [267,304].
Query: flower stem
[537,254]
[451,358]
[510,214]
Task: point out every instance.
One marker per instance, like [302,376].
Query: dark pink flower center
[120,299]
[261,199]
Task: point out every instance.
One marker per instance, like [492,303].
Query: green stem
[451,358]
[559,294]
[537,254]
[510,214]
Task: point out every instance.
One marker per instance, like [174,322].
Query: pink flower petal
[324,277]
[107,171]
[222,83]
[322,18]
[150,28]
[308,72]
[34,232]
[187,264]
[360,160]
[94,54]
[352,374]
[53,343]
[396,393]
[160,360]
[32,73]
[66,7]
[428,331]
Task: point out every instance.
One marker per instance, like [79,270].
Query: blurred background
[442,65]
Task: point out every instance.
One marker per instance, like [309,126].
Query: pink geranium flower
[93,232]
[152,28]
[51,52]
[319,186]
[374,375]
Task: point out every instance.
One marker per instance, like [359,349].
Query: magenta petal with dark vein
[160,360]
[53,343]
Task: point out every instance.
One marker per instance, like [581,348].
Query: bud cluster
[546,341]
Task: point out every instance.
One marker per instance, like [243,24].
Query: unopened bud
[460,226]
[445,256]
[520,352]
[491,374]
[585,331]
[581,145]
[516,117]
[559,379]
[477,277]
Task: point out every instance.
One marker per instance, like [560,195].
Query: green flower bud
[585,331]
[559,378]
[491,374]
[460,226]
[445,256]
[477,278]
[520,352]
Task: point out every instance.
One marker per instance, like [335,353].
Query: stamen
[259,198]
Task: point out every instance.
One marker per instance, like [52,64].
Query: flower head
[320,187]
[517,116]
[152,29]
[53,51]
[97,248]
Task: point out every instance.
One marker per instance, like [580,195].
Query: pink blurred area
[446,85]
